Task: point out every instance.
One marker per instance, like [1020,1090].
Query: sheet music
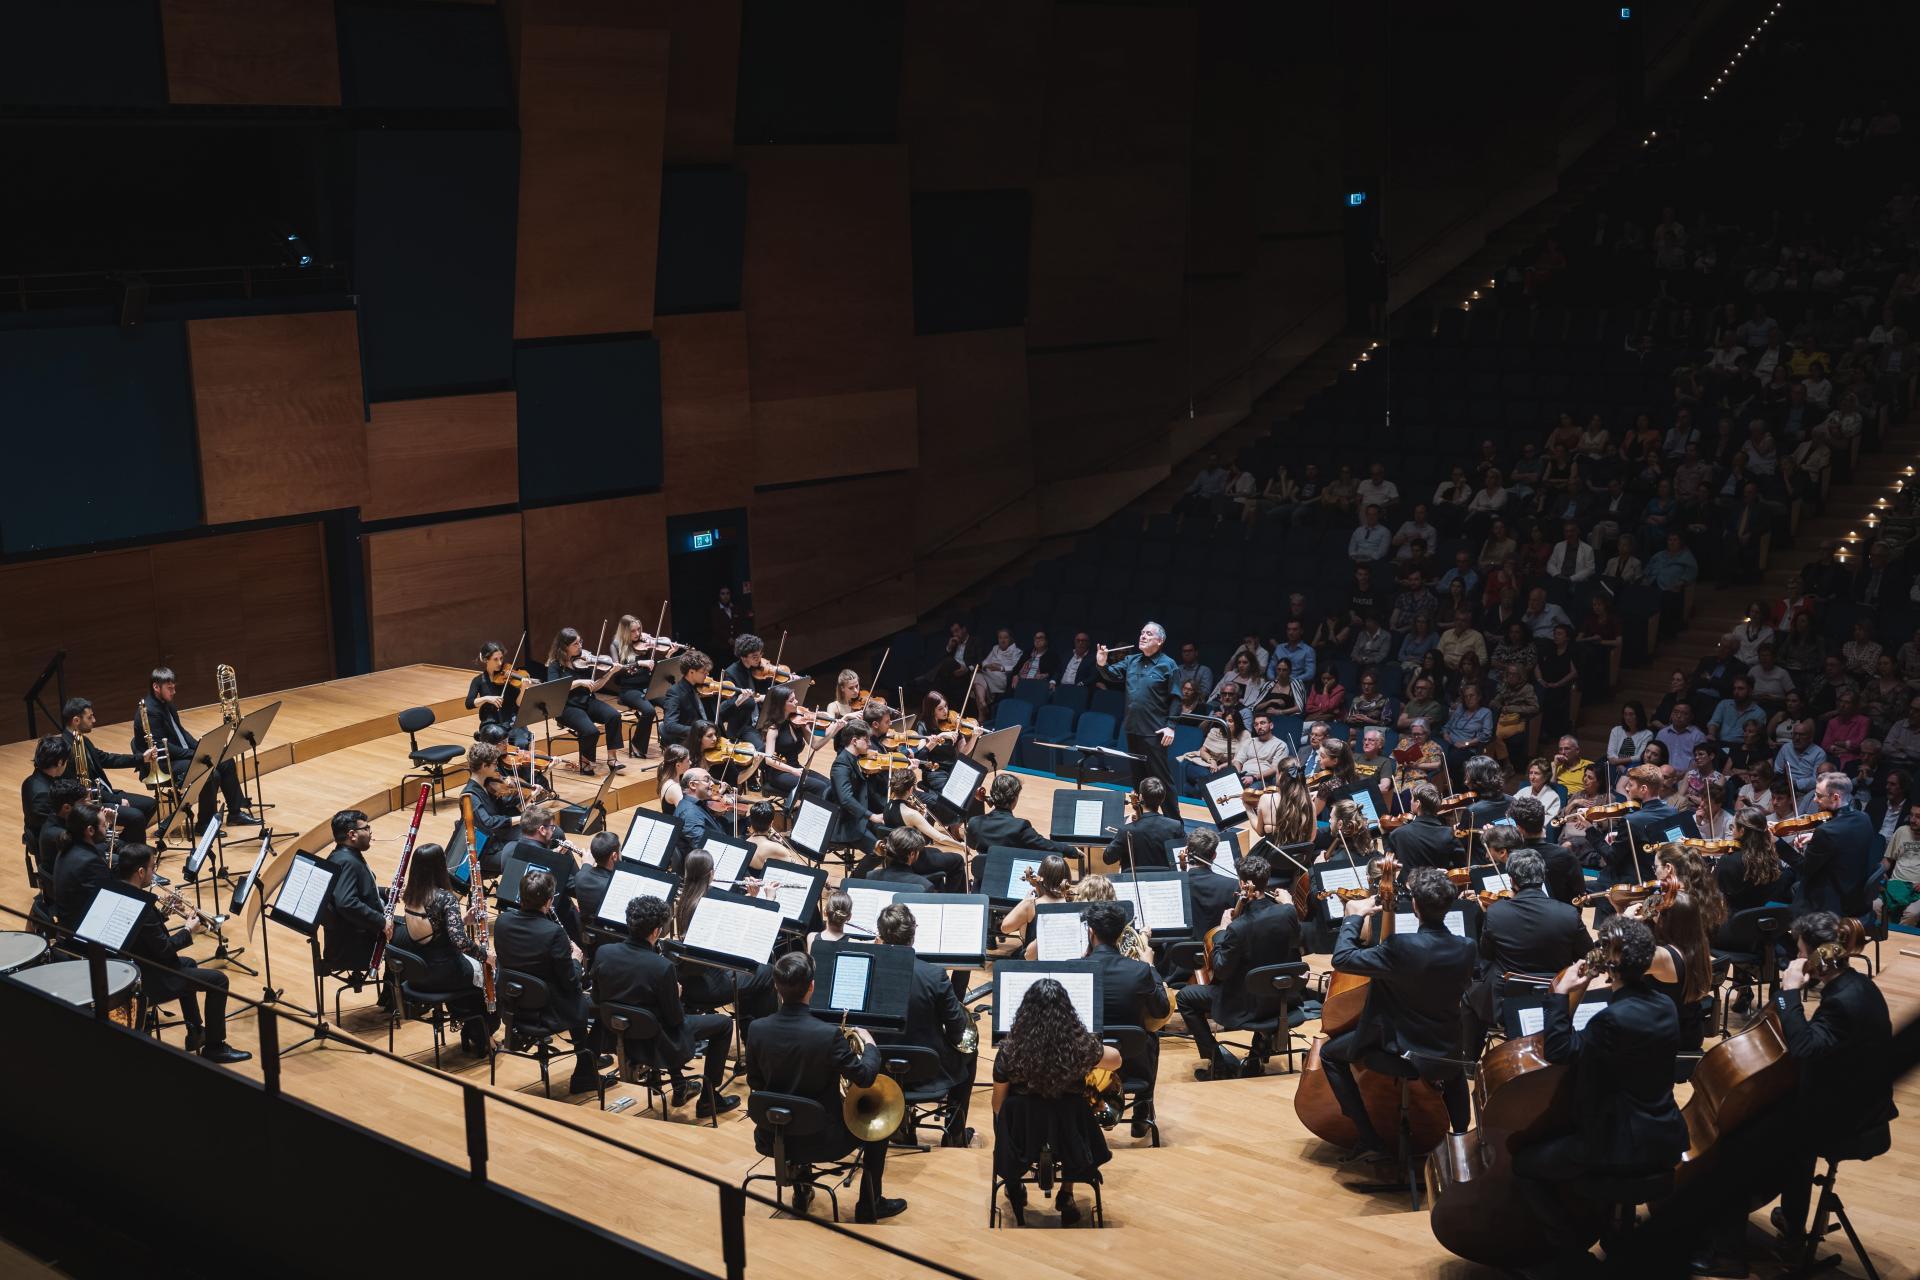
[1013,989]
[727,860]
[1159,905]
[810,826]
[948,928]
[1088,817]
[959,788]
[793,889]
[1341,878]
[1533,1018]
[304,890]
[733,929]
[850,981]
[649,841]
[1407,922]
[201,849]
[1062,935]
[1016,877]
[110,919]
[1497,882]
[1226,792]
[866,907]
[624,888]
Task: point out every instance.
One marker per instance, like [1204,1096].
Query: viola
[1458,800]
[1620,895]
[907,740]
[885,762]
[514,758]
[952,721]
[1712,848]
[711,688]
[730,751]
[1394,821]
[775,672]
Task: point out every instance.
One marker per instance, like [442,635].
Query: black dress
[1026,1122]
[445,951]
[1693,1018]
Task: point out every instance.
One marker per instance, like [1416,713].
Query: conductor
[1151,683]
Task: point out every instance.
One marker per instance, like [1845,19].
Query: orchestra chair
[1866,1146]
[789,1115]
[429,763]
[1751,953]
[1409,1069]
[629,1024]
[912,1066]
[1622,1195]
[399,963]
[1133,1042]
[346,978]
[523,1000]
[1278,988]
[1042,1171]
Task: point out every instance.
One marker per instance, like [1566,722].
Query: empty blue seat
[1013,711]
[1094,729]
[1050,724]
[1075,696]
[1110,702]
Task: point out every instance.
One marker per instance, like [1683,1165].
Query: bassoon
[477,898]
[399,878]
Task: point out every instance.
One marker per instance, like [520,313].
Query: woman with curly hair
[1039,1082]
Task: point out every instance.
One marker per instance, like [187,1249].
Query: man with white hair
[1151,689]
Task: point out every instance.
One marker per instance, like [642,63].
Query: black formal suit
[852,805]
[536,945]
[737,718]
[1148,838]
[564,869]
[138,809]
[683,709]
[1623,1080]
[1528,933]
[1565,880]
[1130,993]
[78,873]
[47,845]
[1837,863]
[634,973]
[793,1052]
[1265,933]
[935,1022]
[1210,893]
[1648,828]
[1487,810]
[589,891]
[151,941]
[1426,841]
[908,880]
[180,746]
[998,827]
[1413,1006]
[36,805]
[353,916]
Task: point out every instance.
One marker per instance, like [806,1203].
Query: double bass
[1313,1102]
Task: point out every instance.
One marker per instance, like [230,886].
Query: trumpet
[171,903]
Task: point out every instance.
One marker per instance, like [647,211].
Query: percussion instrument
[68,980]
[18,950]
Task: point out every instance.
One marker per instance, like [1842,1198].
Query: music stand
[651,837]
[949,929]
[297,904]
[731,931]
[265,863]
[1085,817]
[798,887]
[1060,931]
[1224,794]
[204,760]
[1012,978]
[810,828]
[545,702]
[1226,854]
[867,984]
[248,734]
[196,861]
[666,674]
[1003,873]
[868,896]
[996,748]
[1341,871]
[1163,902]
[1523,1011]
[801,686]
[730,857]
[630,880]
[506,892]
[579,820]
[111,916]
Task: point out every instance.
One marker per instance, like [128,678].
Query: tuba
[228,683]
[872,1111]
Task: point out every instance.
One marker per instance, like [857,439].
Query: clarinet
[477,899]
[399,878]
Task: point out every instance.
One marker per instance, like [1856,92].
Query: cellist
[1413,999]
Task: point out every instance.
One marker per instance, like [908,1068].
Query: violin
[952,721]
[1458,800]
[730,751]
[773,671]
[1802,823]
[726,800]
[1620,895]
[515,758]
[885,762]
[711,688]
[1344,895]
[1394,821]
[1710,847]
[907,740]
[1600,812]
[1321,778]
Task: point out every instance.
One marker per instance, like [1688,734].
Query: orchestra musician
[1639,831]
[1039,1103]
[674,763]
[1840,1107]
[856,822]
[527,939]
[539,843]
[1286,816]
[90,764]
[1488,782]
[846,697]
[786,734]
[496,804]
[585,713]
[936,1021]
[354,914]
[793,1052]
[162,688]
[1529,933]
[1426,840]
[432,921]
[703,743]
[1053,886]
[633,972]
[940,857]
[495,694]
[766,842]
[52,760]
[1149,679]
[836,909]
[158,952]
[1333,774]
[1130,995]
[1565,880]
[590,883]
[941,745]
[683,709]
[898,853]
[1000,825]
[1213,895]
[52,837]
[1682,918]
[633,654]
[1413,999]
[1150,835]
[1836,859]
[739,713]
[1256,931]
[1623,1070]
[695,813]
[81,868]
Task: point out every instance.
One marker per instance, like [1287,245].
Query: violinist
[1529,934]
[846,697]
[1254,932]
[942,858]
[1286,815]
[1836,861]
[1413,999]
[683,709]
[1332,774]
[705,744]
[898,862]
[1623,1068]
[1682,916]
[1348,831]
[674,763]
[1000,825]
[738,713]
[696,813]
[1427,840]
[1149,836]
[496,804]
[1046,885]
[584,712]
[1565,881]
[1841,1106]
[1487,780]
[495,693]
[1213,894]
[633,652]
[856,822]
[1753,874]
[941,744]
[786,731]
[1624,848]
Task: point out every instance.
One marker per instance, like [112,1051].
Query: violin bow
[779,652]
[506,674]
[965,697]
[659,623]
[882,666]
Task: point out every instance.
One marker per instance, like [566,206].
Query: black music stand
[210,843]
[205,758]
[950,929]
[1223,792]
[995,749]
[1011,978]
[808,881]
[1047,914]
[297,904]
[651,837]
[545,702]
[1070,824]
[248,734]
[1002,873]
[666,674]
[730,857]
[955,798]
[245,897]
[738,947]
[630,880]
[869,898]
[1163,888]
[875,997]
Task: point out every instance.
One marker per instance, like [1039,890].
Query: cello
[1314,1103]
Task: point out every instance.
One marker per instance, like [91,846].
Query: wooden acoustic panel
[435,593]
[592,560]
[282,422]
[447,453]
[705,63]
[255,600]
[832,591]
[280,53]
[592,115]
[829,305]
[971,92]
[974,436]
[706,414]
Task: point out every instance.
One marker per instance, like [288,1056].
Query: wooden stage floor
[1237,1189]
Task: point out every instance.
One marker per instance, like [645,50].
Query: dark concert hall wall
[915,285]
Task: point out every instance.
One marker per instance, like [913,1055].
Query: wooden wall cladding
[446,453]
[282,53]
[705,63]
[829,304]
[974,434]
[282,422]
[1110,204]
[706,413]
[593,560]
[972,91]
[1102,409]
[256,600]
[593,101]
[436,592]
[834,589]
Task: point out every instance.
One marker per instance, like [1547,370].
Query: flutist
[158,952]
